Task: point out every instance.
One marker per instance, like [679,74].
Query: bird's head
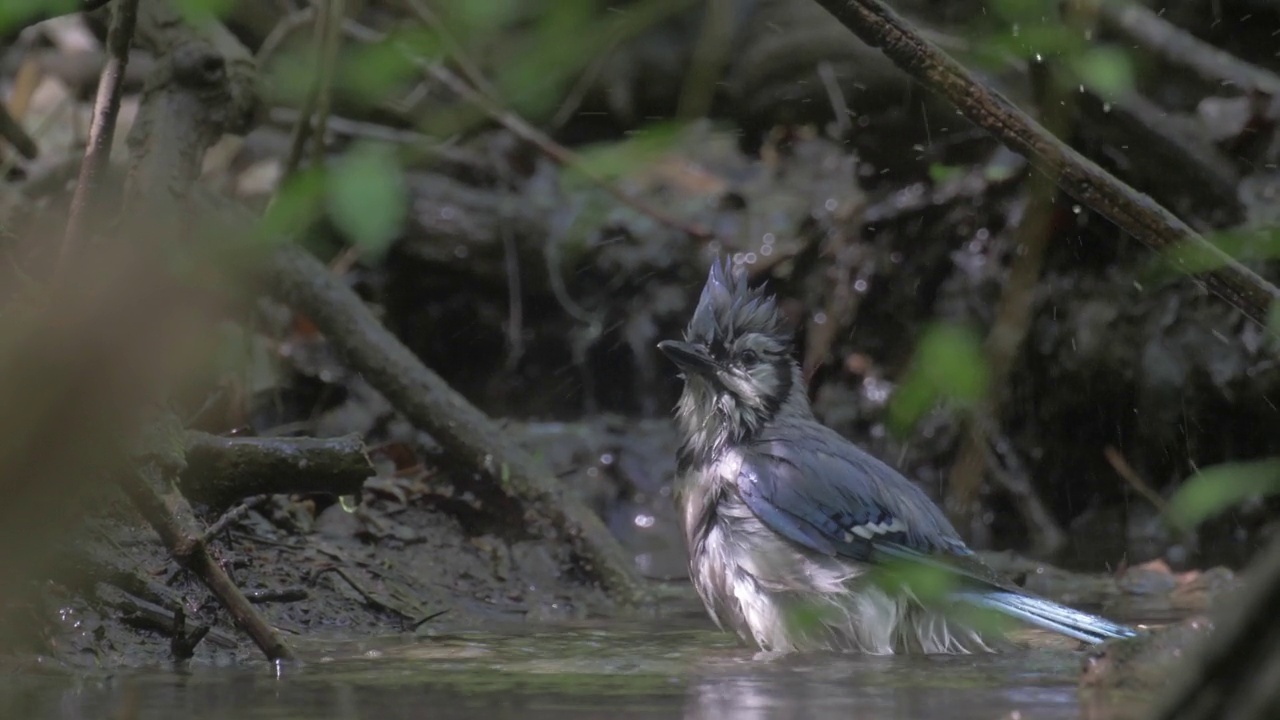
[737,361]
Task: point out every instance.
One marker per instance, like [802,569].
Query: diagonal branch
[106,108]
[1081,178]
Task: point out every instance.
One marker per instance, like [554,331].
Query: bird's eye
[749,357]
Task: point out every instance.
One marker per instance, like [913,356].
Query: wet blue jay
[786,521]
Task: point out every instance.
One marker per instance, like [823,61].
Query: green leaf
[1105,70]
[1022,11]
[1192,258]
[948,364]
[625,157]
[369,74]
[296,205]
[940,173]
[202,11]
[368,198]
[1031,40]
[1220,487]
[480,17]
[16,13]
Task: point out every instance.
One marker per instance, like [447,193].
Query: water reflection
[576,673]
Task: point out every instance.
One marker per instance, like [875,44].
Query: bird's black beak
[691,358]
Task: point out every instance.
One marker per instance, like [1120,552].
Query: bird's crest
[730,308]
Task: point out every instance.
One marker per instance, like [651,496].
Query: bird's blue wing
[822,492]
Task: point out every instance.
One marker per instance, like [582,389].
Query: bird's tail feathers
[1048,614]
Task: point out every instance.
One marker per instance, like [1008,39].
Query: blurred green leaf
[1022,11]
[16,13]
[295,207]
[480,17]
[940,173]
[948,364]
[1189,258]
[626,157]
[1220,487]
[927,582]
[368,198]
[1105,70]
[369,74]
[561,43]
[1046,40]
[202,11]
[290,74]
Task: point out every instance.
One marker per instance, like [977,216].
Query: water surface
[613,671]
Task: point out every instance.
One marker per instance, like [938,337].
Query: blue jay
[785,520]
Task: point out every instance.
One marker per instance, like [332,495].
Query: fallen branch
[190,100]
[1081,178]
[151,489]
[426,400]
[150,616]
[221,471]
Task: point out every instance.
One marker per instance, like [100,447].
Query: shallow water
[583,671]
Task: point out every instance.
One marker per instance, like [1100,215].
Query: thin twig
[1048,537]
[106,109]
[306,114]
[452,46]
[1126,472]
[558,153]
[1081,178]
[1030,241]
[281,32]
[231,516]
[331,40]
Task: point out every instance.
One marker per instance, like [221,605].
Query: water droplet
[606,459]
[767,239]
[751,258]
[1077,209]
[644,521]
[860,285]
[819,318]
[461,251]
[895,257]
[1106,107]
[766,250]
[831,204]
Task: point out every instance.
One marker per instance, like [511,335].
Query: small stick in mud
[172,517]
